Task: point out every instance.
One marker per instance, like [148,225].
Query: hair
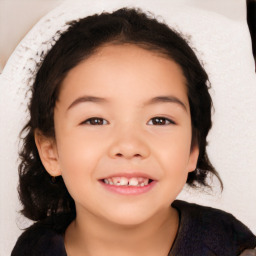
[39,195]
[251,10]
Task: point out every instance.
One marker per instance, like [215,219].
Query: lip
[128,190]
[129,175]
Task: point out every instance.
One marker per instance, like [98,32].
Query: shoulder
[213,230]
[41,239]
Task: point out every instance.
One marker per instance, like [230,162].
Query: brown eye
[95,121]
[160,121]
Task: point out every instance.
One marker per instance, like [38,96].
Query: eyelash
[161,119]
[89,121]
[158,119]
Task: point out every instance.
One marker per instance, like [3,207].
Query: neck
[91,236]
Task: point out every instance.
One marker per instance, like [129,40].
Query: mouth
[128,184]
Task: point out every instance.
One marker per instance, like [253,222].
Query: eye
[95,121]
[160,121]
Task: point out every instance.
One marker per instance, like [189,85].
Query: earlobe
[194,154]
[48,153]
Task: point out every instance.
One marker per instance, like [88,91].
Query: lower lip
[128,190]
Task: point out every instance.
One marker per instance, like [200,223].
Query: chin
[129,221]
[130,216]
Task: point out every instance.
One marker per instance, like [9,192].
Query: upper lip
[129,175]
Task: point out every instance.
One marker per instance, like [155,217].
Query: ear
[48,153]
[194,154]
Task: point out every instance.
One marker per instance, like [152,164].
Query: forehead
[125,70]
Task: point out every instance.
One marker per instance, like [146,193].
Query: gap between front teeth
[123,181]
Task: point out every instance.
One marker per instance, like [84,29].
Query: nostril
[135,155]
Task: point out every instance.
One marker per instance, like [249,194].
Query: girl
[119,115]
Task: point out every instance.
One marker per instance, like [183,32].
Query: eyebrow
[167,99]
[86,99]
[155,100]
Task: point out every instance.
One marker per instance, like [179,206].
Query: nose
[129,144]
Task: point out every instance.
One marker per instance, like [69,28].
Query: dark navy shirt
[203,231]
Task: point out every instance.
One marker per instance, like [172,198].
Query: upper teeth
[123,181]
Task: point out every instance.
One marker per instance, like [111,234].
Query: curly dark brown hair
[40,196]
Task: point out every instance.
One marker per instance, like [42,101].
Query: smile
[128,185]
[124,181]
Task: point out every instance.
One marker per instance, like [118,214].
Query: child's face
[132,94]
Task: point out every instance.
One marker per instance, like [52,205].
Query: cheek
[78,162]
[174,164]
[78,156]
[173,156]
[174,150]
